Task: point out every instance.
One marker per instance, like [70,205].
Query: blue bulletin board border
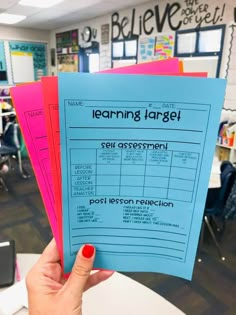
[3,66]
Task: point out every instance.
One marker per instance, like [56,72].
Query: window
[117,49]
[131,48]
[186,43]
[201,46]
[210,41]
[125,50]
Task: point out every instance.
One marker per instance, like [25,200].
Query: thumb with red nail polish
[81,270]
[88,251]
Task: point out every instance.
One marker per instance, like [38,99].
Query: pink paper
[155,67]
[50,94]
[28,103]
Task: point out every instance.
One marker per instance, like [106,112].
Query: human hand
[50,294]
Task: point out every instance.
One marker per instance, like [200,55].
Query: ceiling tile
[66,13]
[24,10]
[5,4]
[79,5]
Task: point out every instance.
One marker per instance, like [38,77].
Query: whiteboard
[22,67]
[201,64]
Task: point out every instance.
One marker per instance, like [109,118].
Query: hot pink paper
[50,95]
[172,65]
[28,103]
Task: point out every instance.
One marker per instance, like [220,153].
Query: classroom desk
[116,296]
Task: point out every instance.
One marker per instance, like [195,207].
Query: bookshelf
[225,152]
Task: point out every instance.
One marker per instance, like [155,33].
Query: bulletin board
[28,52]
[67,42]
[164,46]
[3,68]
[155,47]
[146,48]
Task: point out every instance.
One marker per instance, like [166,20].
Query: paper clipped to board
[136,158]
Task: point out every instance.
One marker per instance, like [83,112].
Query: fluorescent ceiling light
[40,3]
[6,18]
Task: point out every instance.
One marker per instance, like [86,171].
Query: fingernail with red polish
[88,251]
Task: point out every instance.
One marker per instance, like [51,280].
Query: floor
[212,290]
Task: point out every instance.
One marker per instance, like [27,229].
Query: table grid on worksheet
[166,174]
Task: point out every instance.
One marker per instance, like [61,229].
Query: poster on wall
[3,68]
[38,51]
[67,42]
[67,63]
[105,34]
[146,49]
[105,57]
[164,47]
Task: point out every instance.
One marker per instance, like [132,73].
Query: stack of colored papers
[122,159]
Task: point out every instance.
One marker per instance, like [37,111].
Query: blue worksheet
[136,152]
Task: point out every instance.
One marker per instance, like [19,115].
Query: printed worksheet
[50,105]
[28,103]
[136,159]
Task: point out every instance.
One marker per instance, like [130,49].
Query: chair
[3,170]
[215,204]
[11,148]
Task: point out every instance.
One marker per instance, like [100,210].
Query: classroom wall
[158,17]
[23,35]
[230,95]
